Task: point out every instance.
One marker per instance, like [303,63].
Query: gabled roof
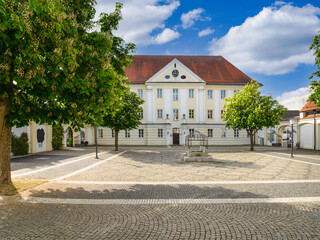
[212,69]
[309,107]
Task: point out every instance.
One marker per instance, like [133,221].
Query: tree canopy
[126,117]
[56,67]
[250,110]
[315,77]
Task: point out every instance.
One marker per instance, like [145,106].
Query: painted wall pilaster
[149,102]
[216,106]
[201,104]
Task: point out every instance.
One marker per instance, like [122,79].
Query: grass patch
[18,185]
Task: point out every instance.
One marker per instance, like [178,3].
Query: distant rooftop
[291,114]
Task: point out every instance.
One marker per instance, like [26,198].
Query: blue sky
[267,40]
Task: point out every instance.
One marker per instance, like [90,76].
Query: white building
[40,136]
[306,131]
[182,94]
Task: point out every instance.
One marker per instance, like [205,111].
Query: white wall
[306,136]
[90,136]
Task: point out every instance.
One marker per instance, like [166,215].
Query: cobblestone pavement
[218,221]
[175,191]
[50,165]
[178,195]
[165,165]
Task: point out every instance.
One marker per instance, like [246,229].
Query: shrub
[70,143]
[20,145]
[57,137]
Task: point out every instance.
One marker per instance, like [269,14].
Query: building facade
[40,136]
[306,130]
[182,94]
[309,127]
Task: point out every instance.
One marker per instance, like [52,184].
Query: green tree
[126,117]
[55,67]
[251,111]
[57,137]
[315,83]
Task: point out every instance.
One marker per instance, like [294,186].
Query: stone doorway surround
[176,136]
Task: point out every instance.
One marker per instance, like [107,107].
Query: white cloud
[190,17]
[275,41]
[280,3]
[294,100]
[140,19]
[205,32]
[166,36]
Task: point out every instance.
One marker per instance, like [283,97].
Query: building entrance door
[175,136]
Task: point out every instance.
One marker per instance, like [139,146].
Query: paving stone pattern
[165,165]
[26,220]
[218,221]
[187,191]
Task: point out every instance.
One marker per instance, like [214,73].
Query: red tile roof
[212,69]
[311,116]
[309,107]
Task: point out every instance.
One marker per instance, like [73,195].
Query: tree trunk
[251,142]
[5,140]
[116,140]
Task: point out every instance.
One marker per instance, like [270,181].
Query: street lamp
[96,140]
[314,129]
[292,122]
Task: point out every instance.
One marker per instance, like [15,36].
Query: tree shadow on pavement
[139,191]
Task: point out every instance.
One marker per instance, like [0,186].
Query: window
[127,134]
[223,94]
[191,132]
[210,133]
[175,114]
[112,133]
[191,113]
[175,94]
[100,133]
[140,93]
[159,93]
[223,133]
[82,137]
[210,114]
[236,133]
[141,135]
[183,77]
[167,77]
[141,114]
[235,91]
[222,112]
[160,113]
[191,93]
[210,94]
[160,133]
